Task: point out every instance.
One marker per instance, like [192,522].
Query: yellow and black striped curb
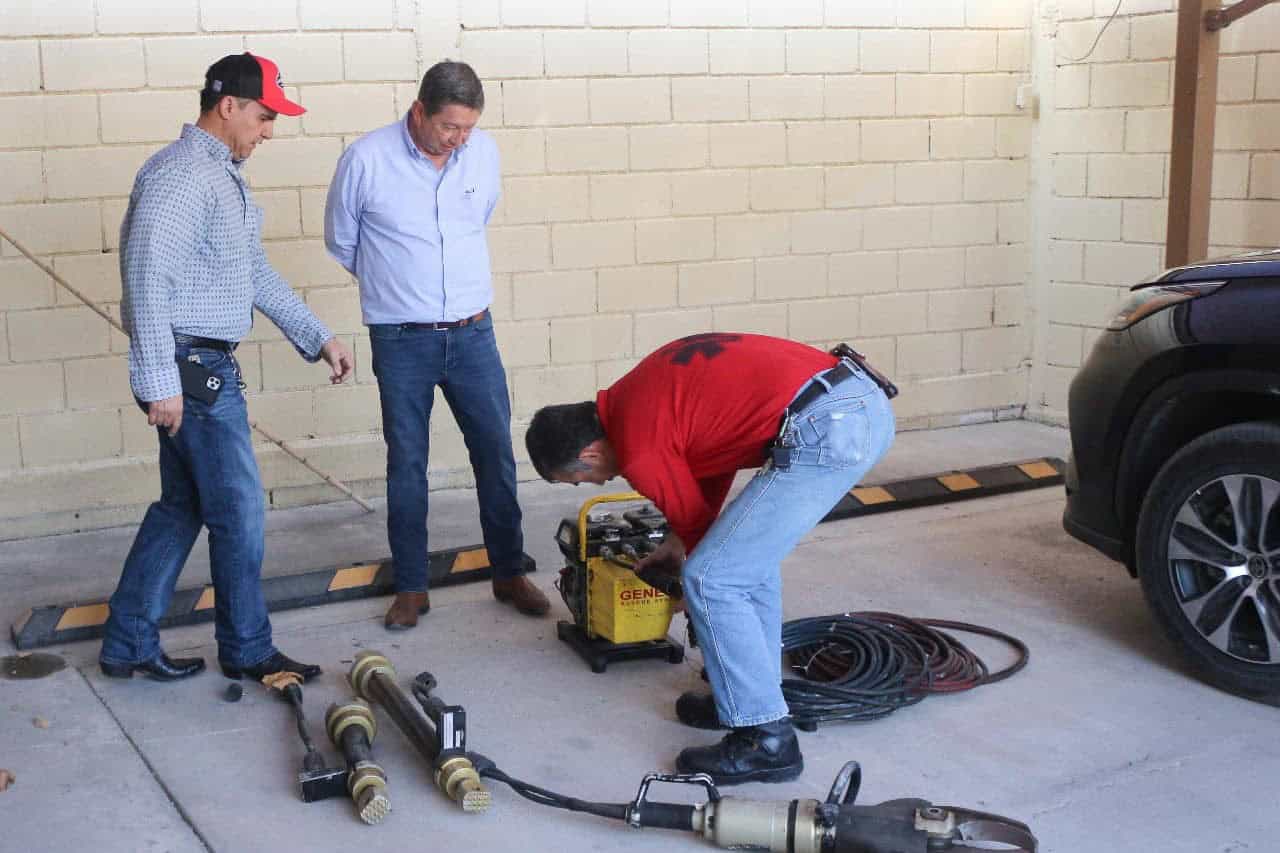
[64,623]
[951,486]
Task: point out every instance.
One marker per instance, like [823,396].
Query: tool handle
[355,746]
[293,695]
[666,815]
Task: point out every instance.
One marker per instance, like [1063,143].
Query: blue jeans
[409,363]
[208,476]
[732,580]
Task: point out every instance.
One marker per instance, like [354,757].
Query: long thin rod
[278,442]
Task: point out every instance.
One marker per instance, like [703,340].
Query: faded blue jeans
[410,361]
[733,581]
[209,477]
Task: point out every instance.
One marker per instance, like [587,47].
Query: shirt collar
[415,151]
[207,142]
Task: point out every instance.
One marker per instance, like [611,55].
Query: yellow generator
[616,615]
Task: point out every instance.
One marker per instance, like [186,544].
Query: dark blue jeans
[208,476]
[409,363]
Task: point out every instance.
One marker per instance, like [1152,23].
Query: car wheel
[1208,548]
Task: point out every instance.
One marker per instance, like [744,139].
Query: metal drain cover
[36,665]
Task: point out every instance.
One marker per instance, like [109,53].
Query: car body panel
[1146,390]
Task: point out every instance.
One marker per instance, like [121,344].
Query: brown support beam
[1216,19]
[1195,98]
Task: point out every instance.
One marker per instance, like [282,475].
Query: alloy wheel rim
[1224,565]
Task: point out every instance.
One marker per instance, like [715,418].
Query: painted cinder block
[631,195]
[584,53]
[823,319]
[795,277]
[92,64]
[591,339]
[862,272]
[67,437]
[380,56]
[717,282]
[553,294]
[684,239]
[593,244]
[19,67]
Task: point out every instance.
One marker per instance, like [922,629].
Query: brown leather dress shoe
[521,595]
[404,611]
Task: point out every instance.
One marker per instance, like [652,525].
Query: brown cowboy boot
[405,609]
[522,595]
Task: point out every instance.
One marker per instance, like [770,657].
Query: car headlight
[1149,300]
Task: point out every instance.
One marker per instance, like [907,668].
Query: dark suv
[1175,463]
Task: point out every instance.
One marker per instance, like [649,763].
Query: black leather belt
[450,324]
[815,389]
[194,341]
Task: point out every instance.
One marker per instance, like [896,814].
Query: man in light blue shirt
[406,215]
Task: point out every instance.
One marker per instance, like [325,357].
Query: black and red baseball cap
[244,75]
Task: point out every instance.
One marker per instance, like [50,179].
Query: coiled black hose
[863,666]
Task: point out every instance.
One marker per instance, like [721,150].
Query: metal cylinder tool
[442,742]
[351,728]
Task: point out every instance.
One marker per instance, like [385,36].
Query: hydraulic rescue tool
[617,614]
[315,780]
[351,728]
[438,731]
[834,825]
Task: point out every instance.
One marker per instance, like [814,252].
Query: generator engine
[616,614]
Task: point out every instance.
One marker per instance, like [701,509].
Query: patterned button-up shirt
[191,262]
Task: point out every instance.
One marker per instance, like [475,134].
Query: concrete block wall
[1102,146]
[828,170]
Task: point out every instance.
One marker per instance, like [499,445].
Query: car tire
[1208,553]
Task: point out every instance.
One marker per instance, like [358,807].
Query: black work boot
[768,752]
[698,710]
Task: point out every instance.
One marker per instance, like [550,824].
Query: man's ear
[593,453]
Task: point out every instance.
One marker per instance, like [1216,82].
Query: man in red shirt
[678,427]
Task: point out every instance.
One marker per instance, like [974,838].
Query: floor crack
[186,818]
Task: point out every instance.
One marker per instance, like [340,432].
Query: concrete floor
[1103,744]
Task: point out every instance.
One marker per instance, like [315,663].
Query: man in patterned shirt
[193,269]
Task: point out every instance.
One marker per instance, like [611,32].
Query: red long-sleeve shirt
[684,420]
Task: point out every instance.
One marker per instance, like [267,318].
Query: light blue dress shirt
[414,235]
[191,262]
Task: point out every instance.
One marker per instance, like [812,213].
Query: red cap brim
[278,102]
[272,94]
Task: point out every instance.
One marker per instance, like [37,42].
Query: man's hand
[661,569]
[338,357]
[166,413]
[667,558]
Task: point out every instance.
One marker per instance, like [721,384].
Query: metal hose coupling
[352,728]
[457,777]
[366,665]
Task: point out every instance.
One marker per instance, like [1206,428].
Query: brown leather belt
[451,324]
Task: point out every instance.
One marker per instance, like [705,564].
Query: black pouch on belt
[886,384]
[199,382]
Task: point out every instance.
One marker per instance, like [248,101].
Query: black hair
[557,434]
[450,83]
[209,100]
